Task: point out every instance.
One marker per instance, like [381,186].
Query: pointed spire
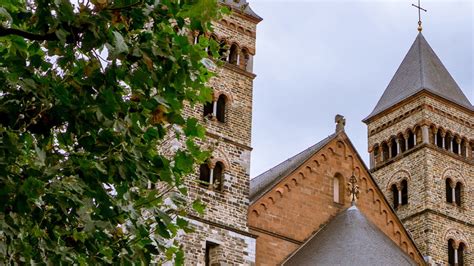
[421,69]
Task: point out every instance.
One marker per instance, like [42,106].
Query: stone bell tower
[221,235]
[421,136]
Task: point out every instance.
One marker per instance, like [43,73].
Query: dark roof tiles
[349,239]
[421,69]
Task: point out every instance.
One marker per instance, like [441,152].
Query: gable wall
[291,212]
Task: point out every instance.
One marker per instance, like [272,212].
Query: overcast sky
[316,59]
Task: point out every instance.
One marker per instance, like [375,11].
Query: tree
[89,92]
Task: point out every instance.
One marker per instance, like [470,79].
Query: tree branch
[28,35]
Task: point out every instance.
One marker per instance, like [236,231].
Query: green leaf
[198,206]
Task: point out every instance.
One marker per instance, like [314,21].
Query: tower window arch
[449,191]
[456,253]
[458,193]
[411,139]
[220,108]
[216,109]
[404,193]
[244,59]
[211,177]
[234,54]
[400,193]
[393,147]
[394,190]
[454,192]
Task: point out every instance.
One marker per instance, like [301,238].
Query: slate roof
[265,181]
[421,69]
[349,239]
[243,6]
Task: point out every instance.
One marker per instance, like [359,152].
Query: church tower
[421,138]
[221,235]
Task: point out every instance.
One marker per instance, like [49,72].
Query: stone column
[458,141]
[414,138]
[406,136]
[443,137]
[456,255]
[398,146]
[214,108]
[425,134]
[211,178]
[372,159]
[467,149]
[389,150]
[435,137]
[399,188]
[453,190]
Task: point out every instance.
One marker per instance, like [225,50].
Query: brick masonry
[299,205]
[224,223]
[428,216]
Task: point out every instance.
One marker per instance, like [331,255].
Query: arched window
[220,110]
[456,256]
[448,142]
[394,190]
[244,59]
[385,151]
[204,175]
[393,148]
[458,193]
[403,148]
[456,145]
[218,176]
[411,140]
[439,139]
[404,192]
[451,252]
[211,177]
[223,51]
[208,109]
[234,54]
[461,254]
[449,191]
[335,186]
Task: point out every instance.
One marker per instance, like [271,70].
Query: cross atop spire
[419,15]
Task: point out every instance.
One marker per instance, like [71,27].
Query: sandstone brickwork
[444,134]
[303,202]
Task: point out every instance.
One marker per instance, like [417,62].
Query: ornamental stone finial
[340,123]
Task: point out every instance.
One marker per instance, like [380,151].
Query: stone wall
[233,248]
[224,223]
[302,202]
[428,216]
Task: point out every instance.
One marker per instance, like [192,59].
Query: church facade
[415,200]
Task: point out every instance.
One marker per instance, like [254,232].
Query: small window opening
[211,254]
[208,109]
[449,191]
[458,193]
[220,112]
[439,139]
[411,140]
[394,147]
[395,196]
[204,175]
[451,252]
[404,192]
[218,176]
[234,54]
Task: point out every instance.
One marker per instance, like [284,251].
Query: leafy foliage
[89,92]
